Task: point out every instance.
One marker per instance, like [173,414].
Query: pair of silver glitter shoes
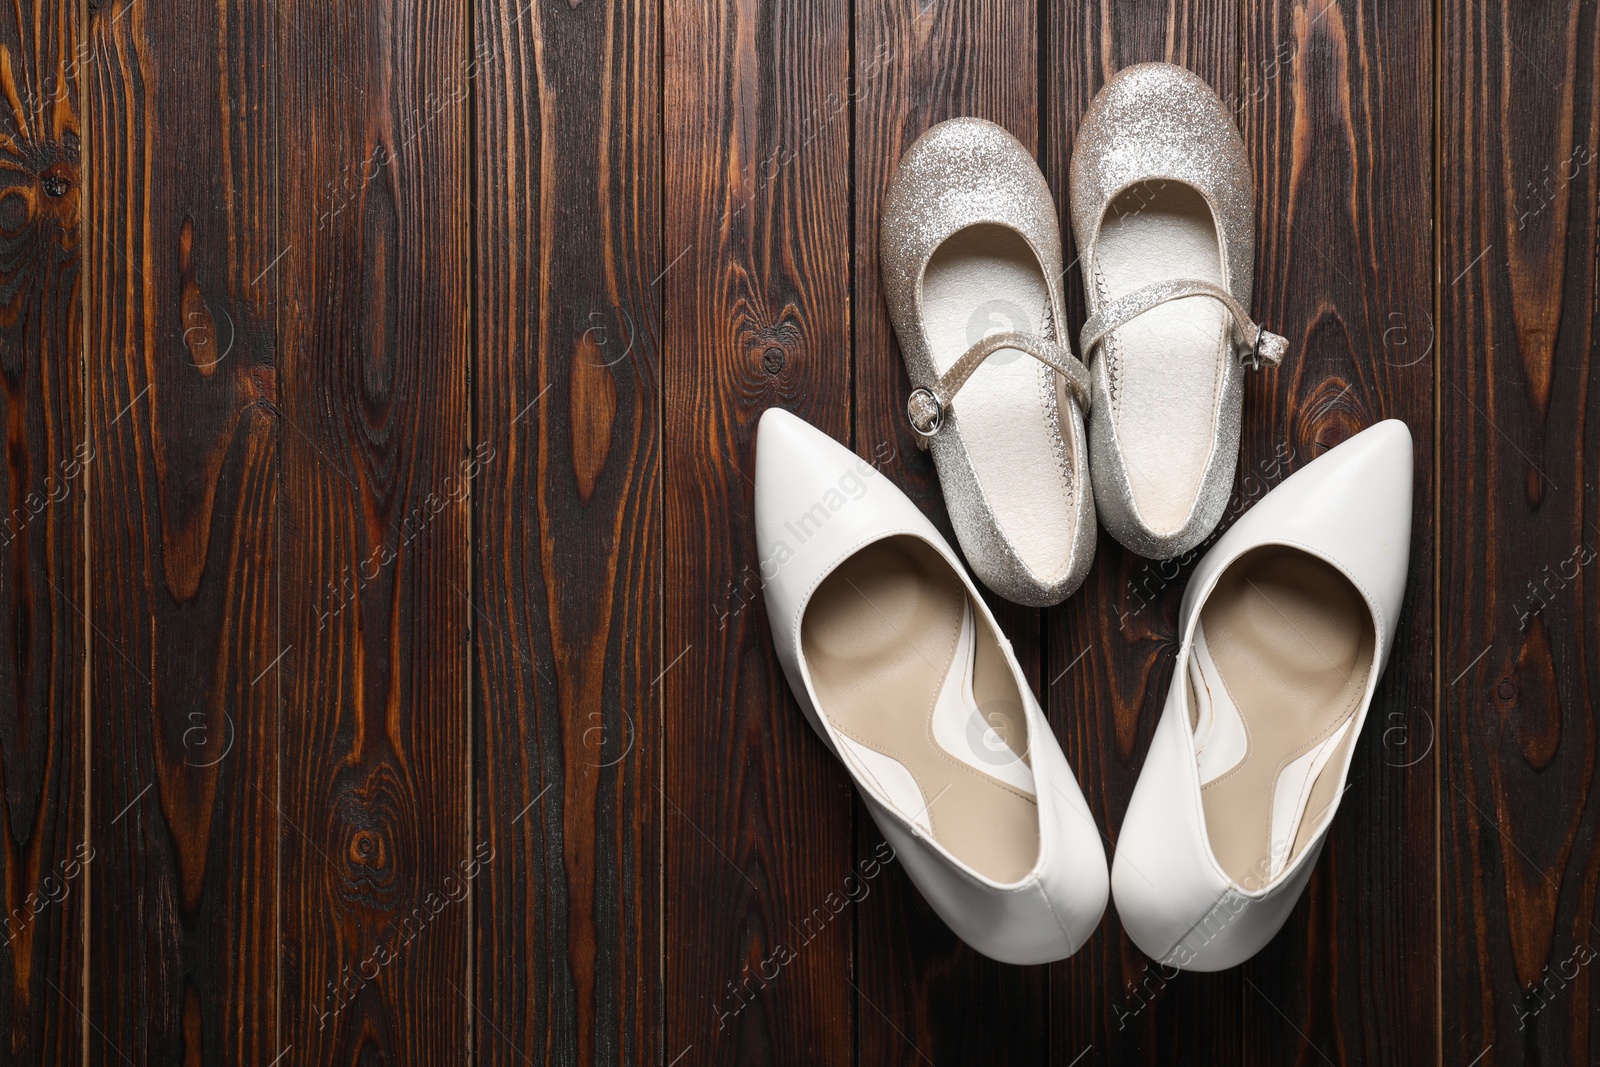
[1029,441]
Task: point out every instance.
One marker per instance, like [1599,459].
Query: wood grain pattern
[1108,650]
[385,676]
[1336,108]
[182,608]
[380,861]
[1519,122]
[43,849]
[1332,107]
[923,994]
[757,303]
[566,549]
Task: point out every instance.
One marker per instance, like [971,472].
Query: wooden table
[384,674]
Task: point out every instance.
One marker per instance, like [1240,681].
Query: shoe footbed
[1166,363]
[981,280]
[879,636]
[1293,642]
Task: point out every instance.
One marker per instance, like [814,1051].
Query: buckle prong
[929,424]
[1254,362]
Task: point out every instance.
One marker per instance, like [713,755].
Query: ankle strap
[1254,345]
[926,407]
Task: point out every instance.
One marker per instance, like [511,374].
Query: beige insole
[880,637]
[1166,363]
[985,279]
[1293,643]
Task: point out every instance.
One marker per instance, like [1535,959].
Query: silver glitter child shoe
[1163,213]
[971,258]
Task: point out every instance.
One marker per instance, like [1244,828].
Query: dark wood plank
[756,293]
[380,862]
[183,497]
[566,619]
[44,850]
[1519,129]
[1108,650]
[1336,107]
[923,993]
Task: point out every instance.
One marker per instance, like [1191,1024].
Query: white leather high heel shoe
[1286,626]
[899,667]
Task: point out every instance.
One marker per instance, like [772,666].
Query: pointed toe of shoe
[781,439]
[805,480]
[1370,473]
[1350,506]
[815,503]
[1378,470]
[793,461]
[776,423]
[1390,433]
[787,447]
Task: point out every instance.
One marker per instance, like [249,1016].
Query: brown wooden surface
[756,821]
[567,384]
[1519,122]
[44,855]
[182,570]
[385,676]
[379,859]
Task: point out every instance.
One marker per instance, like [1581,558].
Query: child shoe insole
[1166,364]
[1282,655]
[917,685]
[985,279]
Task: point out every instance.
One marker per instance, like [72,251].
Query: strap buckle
[1267,350]
[925,412]
[1252,358]
[925,407]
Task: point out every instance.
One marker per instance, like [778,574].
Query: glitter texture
[961,173]
[1157,122]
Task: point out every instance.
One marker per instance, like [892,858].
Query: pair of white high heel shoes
[1285,625]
